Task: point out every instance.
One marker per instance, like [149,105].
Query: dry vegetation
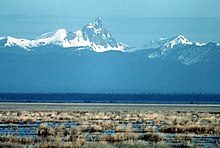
[109,129]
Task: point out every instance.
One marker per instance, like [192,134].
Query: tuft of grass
[195,129]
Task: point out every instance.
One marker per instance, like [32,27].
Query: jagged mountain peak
[96,24]
[180,39]
[179,47]
[177,40]
[93,36]
[168,43]
[99,38]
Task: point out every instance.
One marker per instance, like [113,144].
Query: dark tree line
[109,98]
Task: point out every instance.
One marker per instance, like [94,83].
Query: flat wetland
[109,125]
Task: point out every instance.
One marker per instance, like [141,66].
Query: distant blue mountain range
[92,60]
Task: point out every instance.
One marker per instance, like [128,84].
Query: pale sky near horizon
[132,8]
[128,20]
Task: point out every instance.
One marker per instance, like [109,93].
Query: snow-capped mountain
[160,65]
[93,36]
[97,38]
[56,38]
[167,44]
[179,47]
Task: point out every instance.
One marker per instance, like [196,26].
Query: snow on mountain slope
[182,49]
[57,38]
[97,38]
[166,45]
[171,42]
[199,53]
[93,35]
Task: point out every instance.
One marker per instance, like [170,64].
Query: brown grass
[195,129]
[92,127]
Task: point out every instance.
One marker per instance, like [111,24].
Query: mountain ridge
[95,37]
[185,51]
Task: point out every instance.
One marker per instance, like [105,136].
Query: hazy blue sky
[140,8]
[134,22]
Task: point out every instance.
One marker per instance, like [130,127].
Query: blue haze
[131,8]
[133,22]
[134,31]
